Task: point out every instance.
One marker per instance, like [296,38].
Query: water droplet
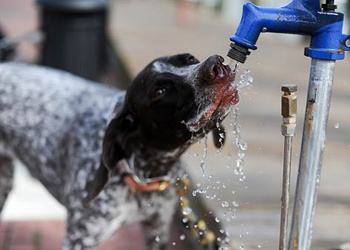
[184,220]
[182,237]
[241,247]
[259,246]
[217,219]
[174,243]
[222,231]
[157,239]
[186,210]
[235,204]
[224,204]
[242,178]
[336,125]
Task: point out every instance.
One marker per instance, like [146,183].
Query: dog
[110,157]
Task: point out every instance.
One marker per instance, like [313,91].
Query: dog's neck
[149,162]
[152,163]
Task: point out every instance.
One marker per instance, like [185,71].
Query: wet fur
[70,133]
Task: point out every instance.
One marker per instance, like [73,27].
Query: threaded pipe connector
[238,52]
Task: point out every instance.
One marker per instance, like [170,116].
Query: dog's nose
[213,71]
[217,68]
[216,71]
[216,58]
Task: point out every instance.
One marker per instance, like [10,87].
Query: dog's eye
[191,59]
[159,92]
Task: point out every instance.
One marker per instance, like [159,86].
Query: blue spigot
[301,17]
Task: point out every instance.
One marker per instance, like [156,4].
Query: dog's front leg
[156,231]
[87,228]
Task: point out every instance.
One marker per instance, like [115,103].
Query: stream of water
[211,190]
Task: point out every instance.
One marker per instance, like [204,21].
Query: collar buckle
[138,184]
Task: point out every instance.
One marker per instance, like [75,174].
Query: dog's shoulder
[50,109]
[53,96]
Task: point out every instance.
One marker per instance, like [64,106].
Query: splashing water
[243,80]
[221,137]
[224,204]
[204,156]
[240,144]
[233,65]
[246,79]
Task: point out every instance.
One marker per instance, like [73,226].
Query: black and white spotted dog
[81,140]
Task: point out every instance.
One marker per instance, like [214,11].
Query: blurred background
[142,30]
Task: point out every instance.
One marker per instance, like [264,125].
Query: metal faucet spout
[300,17]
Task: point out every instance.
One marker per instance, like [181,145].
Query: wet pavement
[144,30]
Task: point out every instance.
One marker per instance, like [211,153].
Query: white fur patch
[187,71]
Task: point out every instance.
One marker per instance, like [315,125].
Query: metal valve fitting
[289,109]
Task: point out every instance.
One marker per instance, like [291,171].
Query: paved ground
[148,29]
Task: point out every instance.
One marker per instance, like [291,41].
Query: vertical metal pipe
[288,140]
[314,136]
[289,113]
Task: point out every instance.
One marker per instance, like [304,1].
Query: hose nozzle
[238,52]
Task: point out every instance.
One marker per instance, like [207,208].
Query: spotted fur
[70,133]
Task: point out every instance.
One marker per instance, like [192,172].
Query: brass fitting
[289,109]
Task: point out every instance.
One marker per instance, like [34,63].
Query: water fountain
[328,44]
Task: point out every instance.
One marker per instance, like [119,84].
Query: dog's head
[175,97]
[172,100]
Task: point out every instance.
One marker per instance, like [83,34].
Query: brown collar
[137,184]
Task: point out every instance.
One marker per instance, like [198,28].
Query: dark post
[74,36]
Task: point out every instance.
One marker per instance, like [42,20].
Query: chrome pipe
[314,136]
[285,192]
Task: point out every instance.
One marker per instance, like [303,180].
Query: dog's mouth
[217,95]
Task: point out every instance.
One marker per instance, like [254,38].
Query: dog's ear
[219,136]
[95,186]
[117,132]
